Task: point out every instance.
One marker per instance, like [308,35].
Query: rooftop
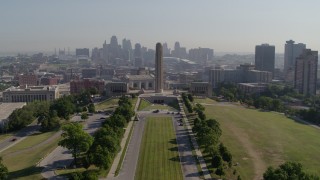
[139,77]
[7,108]
[32,88]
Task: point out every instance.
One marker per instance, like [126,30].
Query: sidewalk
[116,160]
[205,170]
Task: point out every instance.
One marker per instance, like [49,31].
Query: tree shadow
[25,172]
[173,149]
[177,159]
[36,133]
[173,141]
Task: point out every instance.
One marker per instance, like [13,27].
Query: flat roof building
[31,93]
[7,109]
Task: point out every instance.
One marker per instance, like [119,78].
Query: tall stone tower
[159,69]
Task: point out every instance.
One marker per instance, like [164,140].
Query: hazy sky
[224,25]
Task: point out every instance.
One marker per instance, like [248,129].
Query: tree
[288,171]
[190,97]
[93,91]
[126,111]
[75,139]
[64,107]
[198,107]
[91,108]
[216,161]
[49,121]
[3,170]
[220,171]
[225,154]
[100,157]
[124,100]
[84,116]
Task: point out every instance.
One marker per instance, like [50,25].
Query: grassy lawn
[143,104]
[134,101]
[21,159]
[107,104]
[158,157]
[159,106]
[205,100]
[260,139]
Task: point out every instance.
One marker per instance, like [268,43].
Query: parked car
[156,111]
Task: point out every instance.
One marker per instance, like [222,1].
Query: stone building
[31,93]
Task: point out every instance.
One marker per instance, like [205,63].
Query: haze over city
[226,26]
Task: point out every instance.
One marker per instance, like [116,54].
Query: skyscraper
[82,52]
[127,49]
[166,50]
[291,52]
[138,61]
[306,67]
[265,57]
[159,69]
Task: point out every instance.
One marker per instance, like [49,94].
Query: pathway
[203,165]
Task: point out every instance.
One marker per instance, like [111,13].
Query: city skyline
[222,25]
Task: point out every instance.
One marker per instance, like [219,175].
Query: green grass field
[260,139]
[107,104]
[158,106]
[21,159]
[158,157]
[205,100]
[143,104]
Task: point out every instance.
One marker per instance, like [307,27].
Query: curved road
[61,156]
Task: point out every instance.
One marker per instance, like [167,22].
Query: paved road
[130,161]
[188,162]
[61,156]
[202,163]
[19,136]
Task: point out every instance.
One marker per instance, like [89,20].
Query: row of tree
[208,133]
[107,139]
[186,99]
[275,98]
[105,144]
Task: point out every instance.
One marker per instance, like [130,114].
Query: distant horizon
[49,53]
[225,26]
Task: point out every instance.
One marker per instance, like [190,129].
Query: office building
[116,88]
[265,57]
[201,89]
[89,73]
[31,93]
[306,68]
[138,59]
[77,86]
[82,52]
[138,82]
[291,52]
[28,79]
[201,55]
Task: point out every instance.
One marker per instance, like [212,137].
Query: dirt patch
[258,164]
